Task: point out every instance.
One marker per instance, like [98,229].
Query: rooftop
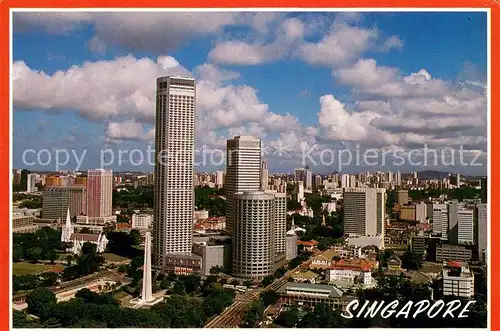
[305,275]
[307,287]
[354,264]
[307,243]
[327,255]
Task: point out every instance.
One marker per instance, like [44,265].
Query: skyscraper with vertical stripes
[173,177]
[243,163]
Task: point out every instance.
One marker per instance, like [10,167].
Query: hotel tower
[174,145]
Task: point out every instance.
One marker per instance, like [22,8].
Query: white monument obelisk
[147,292]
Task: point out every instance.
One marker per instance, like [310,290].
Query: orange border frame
[5,185]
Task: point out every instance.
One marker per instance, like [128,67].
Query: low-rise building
[446,252]
[348,252]
[309,246]
[394,263]
[305,277]
[323,260]
[351,272]
[304,294]
[183,263]
[418,244]
[213,253]
[142,221]
[458,280]
[362,241]
[23,223]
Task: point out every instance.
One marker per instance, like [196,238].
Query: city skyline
[392,89]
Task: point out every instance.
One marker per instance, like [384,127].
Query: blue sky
[378,80]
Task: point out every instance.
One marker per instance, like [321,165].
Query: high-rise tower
[242,171]
[99,193]
[364,211]
[174,144]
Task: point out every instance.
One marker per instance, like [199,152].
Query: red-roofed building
[351,272]
[309,246]
[122,226]
[454,264]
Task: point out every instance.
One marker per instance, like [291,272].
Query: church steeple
[68,229]
[68,219]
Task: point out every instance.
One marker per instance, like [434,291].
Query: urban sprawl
[243,247]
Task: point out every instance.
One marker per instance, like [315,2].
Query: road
[231,317]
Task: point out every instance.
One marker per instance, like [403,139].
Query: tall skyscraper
[402,197]
[452,234]
[308,178]
[299,175]
[24,179]
[264,176]
[280,224]
[31,183]
[345,181]
[398,178]
[484,190]
[243,162]
[99,193]
[173,177]
[482,230]
[253,235]
[439,217]
[300,193]
[318,181]
[364,211]
[465,220]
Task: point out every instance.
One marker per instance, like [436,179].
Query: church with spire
[68,235]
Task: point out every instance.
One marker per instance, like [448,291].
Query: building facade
[57,200]
[253,235]
[482,230]
[458,280]
[142,221]
[243,163]
[291,246]
[173,177]
[99,193]
[264,176]
[446,252]
[279,224]
[364,211]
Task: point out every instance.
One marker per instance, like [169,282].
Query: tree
[288,318]
[411,260]
[323,316]
[191,283]
[34,254]
[280,272]
[269,298]
[217,299]
[253,314]
[178,288]
[165,284]
[20,320]
[40,302]
[216,270]
[17,252]
[52,256]
[136,236]
[268,280]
